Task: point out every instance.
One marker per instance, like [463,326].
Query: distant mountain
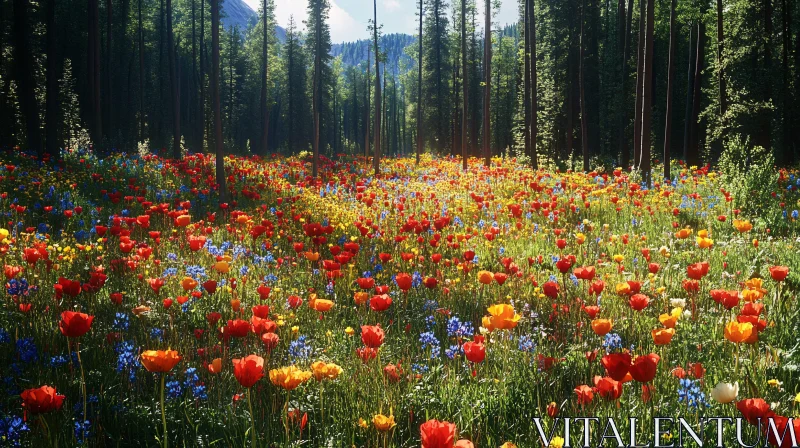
[394,45]
[237,13]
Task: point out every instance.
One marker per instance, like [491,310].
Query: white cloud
[344,27]
[286,8]
[391,5]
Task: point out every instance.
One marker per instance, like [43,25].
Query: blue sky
[348,18]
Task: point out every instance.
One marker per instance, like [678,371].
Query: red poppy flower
[608,388]
[210,286]
[69,287]
[617,365]
[261,311]
[430,282]
[585,394]
[475,351]
[550,289]
[643,369]
[366,283]
[213,318]
[403,281]
[270,341]
[639,302]
[372,336]
[248,370]
[41,400]
[585,273]
[779,273]
[697,271]
[380,303]
[236,328]
[436,434]
[753,409]
[75,325]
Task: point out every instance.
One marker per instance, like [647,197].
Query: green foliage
[748,173]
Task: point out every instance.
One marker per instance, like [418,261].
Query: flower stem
[163,410]
[83,389]
[252,419]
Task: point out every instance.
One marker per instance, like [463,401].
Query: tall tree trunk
[367,109]
[202,98]
[693,158]
[534,119]
[465,84]
[215,98]
[52,103]
[191,108]
[786,139]
[647,95]
[290,85]
[109,94]
[723,96]
[625,23]
[141,74]
[419,87]
[173,78]
[670,73]
[637,121]
[376,159]
[264,76]
[317,82]
[582,87]
[93,69]
[487,88]
[570,131]
[766,129]
[26,82]
[526,79]
[687,129]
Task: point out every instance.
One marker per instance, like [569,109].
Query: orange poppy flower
[289,377]
[188,283]
[601,327]
[160,360]
[737,332]
[662,336]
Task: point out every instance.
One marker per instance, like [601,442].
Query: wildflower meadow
[427,305]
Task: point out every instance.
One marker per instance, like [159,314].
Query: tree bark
[141,74]
[693,157]
[26,82]
[376,159]
[723,96]
[687,130]
[647,95]
[624,40]
[264,84]
[419,87]
[788,150]
[52,143]
[637,121]
[109,91]
[202,98]
[215,98]
[582,86]
[487,88]
[534,119]
[465,85]
[670,73]
[173,77]
[317,82]
[526,79]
